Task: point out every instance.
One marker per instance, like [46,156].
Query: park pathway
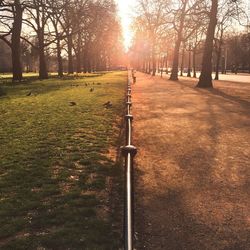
[192,169]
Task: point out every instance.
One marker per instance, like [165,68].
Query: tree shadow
[166,218]
[53,197]
[219,92]
[216,92]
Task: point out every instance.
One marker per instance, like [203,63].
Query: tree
[205,80]
[88,30]
[197,40]
[228,12]
[186,20]
[36,18]
[57,9]
[151,22]
[11,13]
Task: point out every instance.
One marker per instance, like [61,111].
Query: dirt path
[192,168]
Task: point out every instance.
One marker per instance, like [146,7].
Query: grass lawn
[56,162]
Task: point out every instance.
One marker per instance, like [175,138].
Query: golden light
[125,13]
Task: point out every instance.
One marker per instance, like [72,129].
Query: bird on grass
[92,90]
[72,103]
[108,105]
[29,94]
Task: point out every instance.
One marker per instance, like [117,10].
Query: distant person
[133,75]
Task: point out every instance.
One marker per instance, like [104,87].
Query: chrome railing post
[129,152]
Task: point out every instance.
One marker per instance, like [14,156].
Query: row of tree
[86,32]
[164,30]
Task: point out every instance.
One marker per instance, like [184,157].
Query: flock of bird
[107,105]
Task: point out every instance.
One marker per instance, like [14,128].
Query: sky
[125,13]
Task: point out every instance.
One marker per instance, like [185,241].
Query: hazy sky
[125,12]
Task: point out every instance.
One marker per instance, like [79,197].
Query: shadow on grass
[38,87]
[216,92]
[219,92]
[2,92]
[55,203]
[27,79]
[54,175]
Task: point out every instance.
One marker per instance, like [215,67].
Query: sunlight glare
[125,9]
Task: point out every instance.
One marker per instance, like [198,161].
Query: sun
[125,12]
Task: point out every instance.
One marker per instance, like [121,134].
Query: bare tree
[185,22]
[153,17]
[36,20]
[11,13]
[229,11]
[205,80]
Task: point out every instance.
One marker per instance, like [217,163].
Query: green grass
[54,164]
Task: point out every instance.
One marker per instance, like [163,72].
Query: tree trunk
[153,61]
[166,63]
[175,68]
[205,80]
[89,65]
[85,56]
[154,66]
[70,56]
[217,67]
[149,66]
[16,42]
[144,65]
[78,55]
[43,73]
[182,61]
[189,62]
[78,63]
[194,62]
[59,59]
[219,52]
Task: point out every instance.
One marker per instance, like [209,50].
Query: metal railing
[129,152]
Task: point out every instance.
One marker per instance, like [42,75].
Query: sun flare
[125,9]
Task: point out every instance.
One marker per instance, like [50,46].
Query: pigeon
[107,105]
[72,104]
[29,94]
[92,89]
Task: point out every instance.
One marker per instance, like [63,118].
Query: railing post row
[129,152]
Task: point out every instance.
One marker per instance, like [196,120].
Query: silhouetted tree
[11,13]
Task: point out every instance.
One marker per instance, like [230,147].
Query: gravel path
[192,169]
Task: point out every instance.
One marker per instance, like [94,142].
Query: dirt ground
[192,175]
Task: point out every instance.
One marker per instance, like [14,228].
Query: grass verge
[57,148]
